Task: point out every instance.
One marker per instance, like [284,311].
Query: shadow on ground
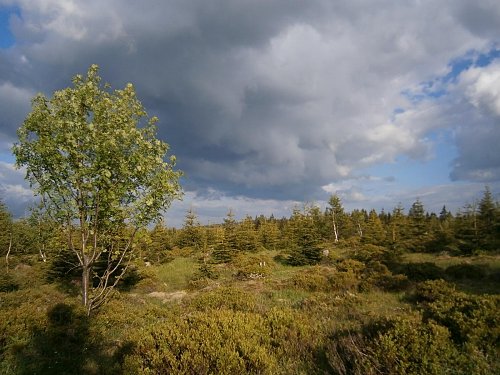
[66,346]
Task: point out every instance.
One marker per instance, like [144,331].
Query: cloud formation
[275,99]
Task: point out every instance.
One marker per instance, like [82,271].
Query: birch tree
[336,212]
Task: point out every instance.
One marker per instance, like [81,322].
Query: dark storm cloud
[268,99]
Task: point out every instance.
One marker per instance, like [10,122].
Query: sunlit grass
[176,274]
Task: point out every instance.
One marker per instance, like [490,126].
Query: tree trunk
[42,253]
[8,252]
[335,230]
[85,283]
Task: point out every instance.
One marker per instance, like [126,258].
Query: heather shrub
[430,291]
[8,283]
[226,342]
[368,253]
[422,271]
[403,345]
[411,347]
[466,271]
[377,275]
[313,279]
[472,320]
[252,266]
[294,340]
[204,277]
[349,275]
[224,298]
[345,276]
[347,352]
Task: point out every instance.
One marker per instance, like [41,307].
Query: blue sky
[6,37]
[271,105]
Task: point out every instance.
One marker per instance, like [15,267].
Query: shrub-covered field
[352,313]
[318,293]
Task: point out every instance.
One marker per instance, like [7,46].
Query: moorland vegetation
[320,292]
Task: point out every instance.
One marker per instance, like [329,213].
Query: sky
[271,104]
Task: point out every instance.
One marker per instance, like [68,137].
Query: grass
[286,297]
[176,274]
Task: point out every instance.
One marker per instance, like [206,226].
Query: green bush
[226,342]
[206,271]
[7,283]
[203,277]
[294,341]
[345,276]
[377,275]
[412,347]
[422,271]
[430,291]
[252,266]
[470,319]
[313,279]
[473,321]
[43,332]
[225,298]
[349,275]
[404,345]
[347,353]
[368,253]
[466,271]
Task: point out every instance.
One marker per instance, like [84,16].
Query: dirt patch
[167,297]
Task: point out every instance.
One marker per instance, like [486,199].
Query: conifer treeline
[310,230]
[302,237]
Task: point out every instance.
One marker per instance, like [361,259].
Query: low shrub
[472,320]
[224,298]
[207,271]
[345,281]
[203,277]
[345,276]
[431,291]
[422,271]
[347,353]
[352,266]
[408,347]
[294,341]
[466,271]
[377,275]
[313,279]
[368,253]
[7,283]
[252,266]
[228,342]
[403,345]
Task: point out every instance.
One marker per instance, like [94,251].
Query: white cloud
[14,191]
[482,87]
[212,206]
